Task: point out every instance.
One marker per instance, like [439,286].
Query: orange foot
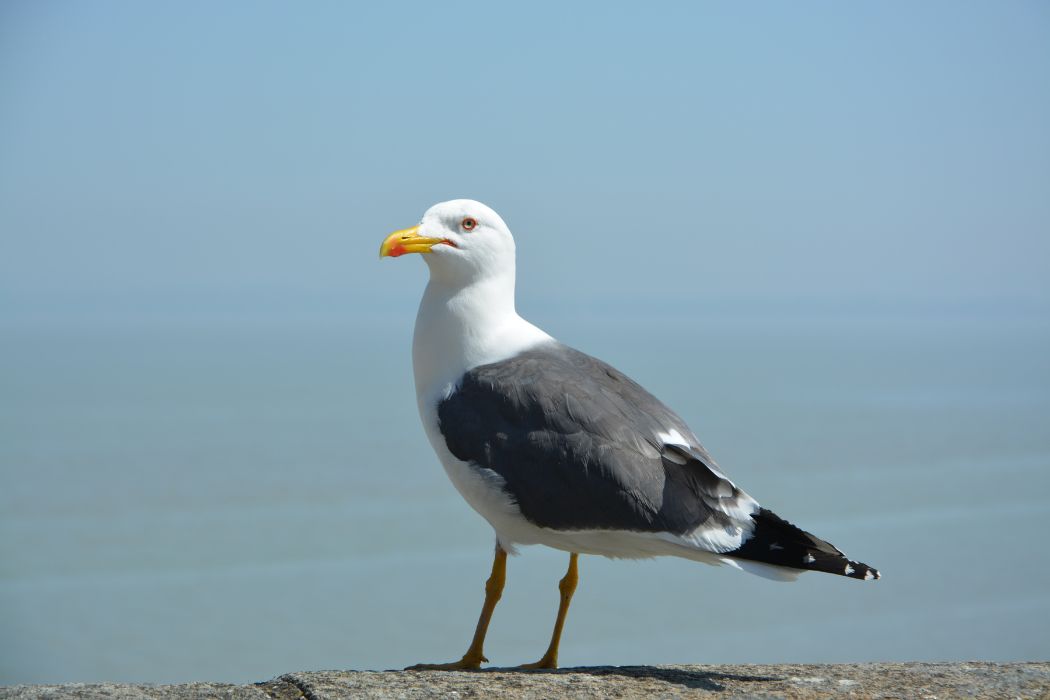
[545,663]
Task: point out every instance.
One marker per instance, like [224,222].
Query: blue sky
[164,159]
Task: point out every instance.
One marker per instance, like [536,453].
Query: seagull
[552,446]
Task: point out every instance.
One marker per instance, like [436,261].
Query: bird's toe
[544,663]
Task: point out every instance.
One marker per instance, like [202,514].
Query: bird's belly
[483,490]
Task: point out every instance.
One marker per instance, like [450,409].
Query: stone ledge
[873,680]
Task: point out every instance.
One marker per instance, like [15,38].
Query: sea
[233,499]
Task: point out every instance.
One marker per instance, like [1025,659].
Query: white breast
[458,329]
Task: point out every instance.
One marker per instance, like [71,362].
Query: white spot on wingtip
[869,575]
[773,547]
[849,570]
[808,559]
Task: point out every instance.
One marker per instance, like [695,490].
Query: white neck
[461,327]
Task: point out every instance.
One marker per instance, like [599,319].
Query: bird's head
[463,240]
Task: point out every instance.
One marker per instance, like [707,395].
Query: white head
[464,241]
[467,316]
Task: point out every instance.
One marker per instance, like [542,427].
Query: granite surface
[875,680]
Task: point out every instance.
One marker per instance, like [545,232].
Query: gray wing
[579,445]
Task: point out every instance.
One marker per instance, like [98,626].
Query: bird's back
[579,444]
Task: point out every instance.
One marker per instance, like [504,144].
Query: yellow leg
[471,660]
[567,586]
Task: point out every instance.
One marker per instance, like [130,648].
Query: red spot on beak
[397,251]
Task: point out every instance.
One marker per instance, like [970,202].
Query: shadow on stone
[700,680]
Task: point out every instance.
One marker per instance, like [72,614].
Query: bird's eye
[468,224]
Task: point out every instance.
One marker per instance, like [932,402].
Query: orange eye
[468,224]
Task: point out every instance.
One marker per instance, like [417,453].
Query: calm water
[231,503]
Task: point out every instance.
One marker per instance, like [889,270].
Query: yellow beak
[407,240]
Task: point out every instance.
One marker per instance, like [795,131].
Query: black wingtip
[778,542]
